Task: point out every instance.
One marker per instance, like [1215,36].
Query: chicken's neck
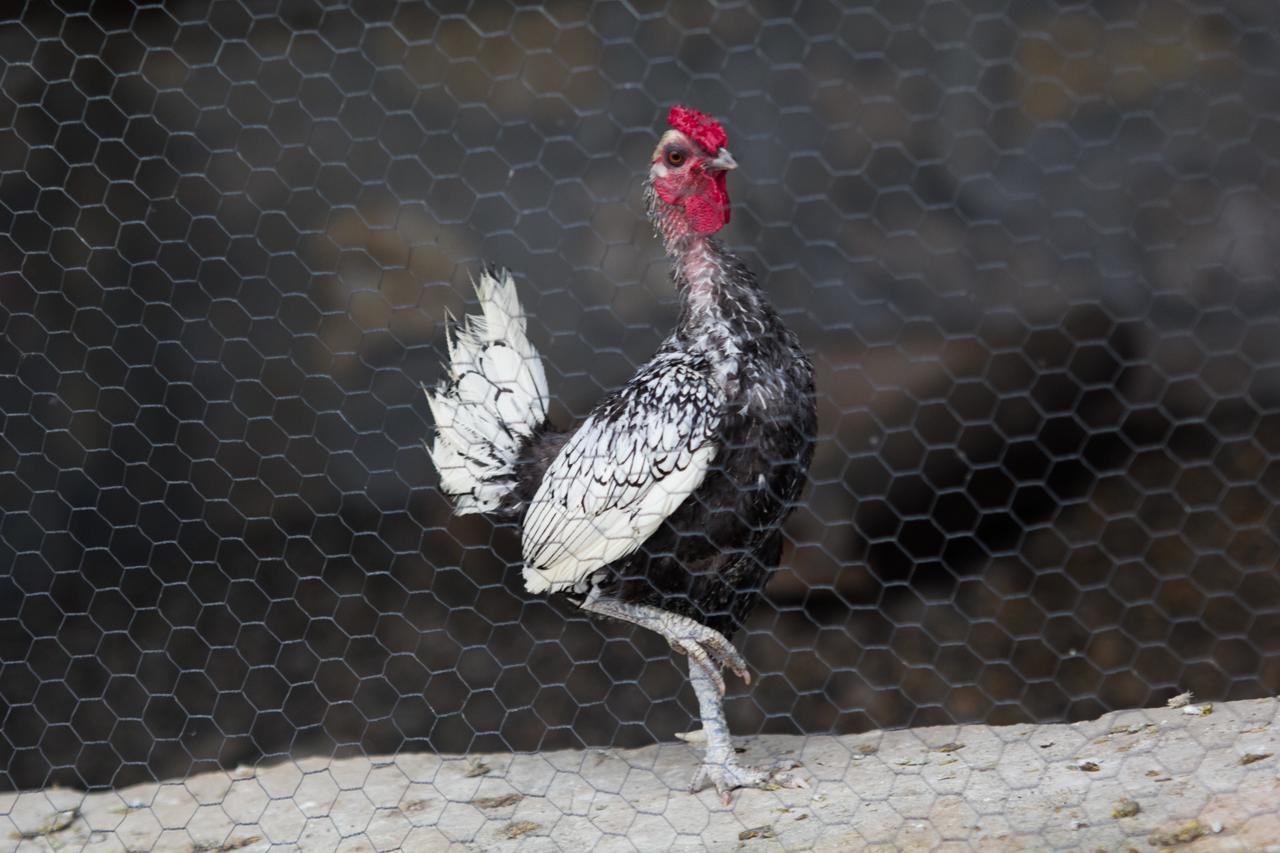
[707,276]
[721,307]
[714,286]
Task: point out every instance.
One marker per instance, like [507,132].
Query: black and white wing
[630,464]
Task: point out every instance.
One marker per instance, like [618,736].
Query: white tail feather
[494,398]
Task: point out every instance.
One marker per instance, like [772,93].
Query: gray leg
[720,765]
[709,649]
[708,652]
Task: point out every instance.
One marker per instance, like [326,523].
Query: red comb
[699,127]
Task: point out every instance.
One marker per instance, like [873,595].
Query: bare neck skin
[721,303]
[699,261]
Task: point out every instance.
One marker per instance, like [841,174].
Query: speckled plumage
[672,491]
[708,559]
[642,452]
[664,507]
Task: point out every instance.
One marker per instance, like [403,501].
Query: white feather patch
[639,455]
[494,398]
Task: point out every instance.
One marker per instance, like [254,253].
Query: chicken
[663,508]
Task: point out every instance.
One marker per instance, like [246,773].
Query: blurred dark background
[1032,246]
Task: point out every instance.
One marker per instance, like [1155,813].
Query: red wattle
[708,209]
[704,199]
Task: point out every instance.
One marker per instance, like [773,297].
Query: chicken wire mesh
[1030,245]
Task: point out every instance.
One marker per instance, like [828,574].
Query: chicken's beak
[722,162]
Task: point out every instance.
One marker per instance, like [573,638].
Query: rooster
[663,508]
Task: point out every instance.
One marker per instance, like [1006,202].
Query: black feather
[711,557]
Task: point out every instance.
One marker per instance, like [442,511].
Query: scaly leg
[708,652]
[720,765]
[705,647]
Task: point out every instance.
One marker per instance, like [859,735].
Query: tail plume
[493,399]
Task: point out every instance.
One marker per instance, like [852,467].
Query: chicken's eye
[675,157]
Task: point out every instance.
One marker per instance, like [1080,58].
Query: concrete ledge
[1193,779]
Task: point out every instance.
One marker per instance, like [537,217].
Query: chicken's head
[688,172]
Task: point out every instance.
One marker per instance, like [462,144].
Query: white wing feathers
[494,397]
[630,465]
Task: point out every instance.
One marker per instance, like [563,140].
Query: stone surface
[1148,779]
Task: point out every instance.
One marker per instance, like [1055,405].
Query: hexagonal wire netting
[1031,246]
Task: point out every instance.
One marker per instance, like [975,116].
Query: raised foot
[728,775]
[706,648]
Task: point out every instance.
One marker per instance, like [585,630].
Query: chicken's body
[733,376]
[664,507]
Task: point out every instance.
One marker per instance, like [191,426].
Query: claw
[697,736]
[730,775]
[725,654]
[739,666]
